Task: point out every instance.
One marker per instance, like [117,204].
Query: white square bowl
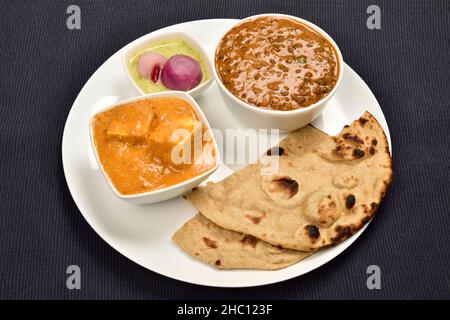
[176,189]
[147,40]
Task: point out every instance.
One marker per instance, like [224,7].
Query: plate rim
[344,245]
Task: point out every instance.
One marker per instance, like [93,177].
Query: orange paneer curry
[151,144]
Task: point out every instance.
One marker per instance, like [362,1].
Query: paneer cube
[173,142]
[131,127]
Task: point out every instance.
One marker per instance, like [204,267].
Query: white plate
[143,233]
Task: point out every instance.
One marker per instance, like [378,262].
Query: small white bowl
[150,38]
[176,189]
[275,119]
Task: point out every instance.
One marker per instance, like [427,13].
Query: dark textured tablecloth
[44,66]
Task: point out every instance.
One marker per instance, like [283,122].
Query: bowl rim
[178,94]
[282,112]
[152,37]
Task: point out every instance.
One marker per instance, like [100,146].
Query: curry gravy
[134,143]
[276,63]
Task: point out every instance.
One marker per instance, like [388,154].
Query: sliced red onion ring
[150,64]
[181,72]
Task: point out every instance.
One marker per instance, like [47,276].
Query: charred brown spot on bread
[218,262]
[210,243]
[358,153]
[372,150]
[196,253]
[374,206]
[329,196]
[324,208]
[254,219]
[249,240]
[350,201]
[276,151]
[363,121]
[342,233]
[346,126]
[313,231]
[194,188]
[374,142]
[365,209]
[349,137]
[287,185]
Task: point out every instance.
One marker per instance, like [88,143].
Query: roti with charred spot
[310,192]
[225,249]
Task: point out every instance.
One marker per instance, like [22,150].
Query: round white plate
[143,233]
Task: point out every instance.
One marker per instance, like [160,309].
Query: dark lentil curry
[277,63]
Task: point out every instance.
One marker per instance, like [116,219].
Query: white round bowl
[275,119]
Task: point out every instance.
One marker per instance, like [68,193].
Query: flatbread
[225,249]
[325,189]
